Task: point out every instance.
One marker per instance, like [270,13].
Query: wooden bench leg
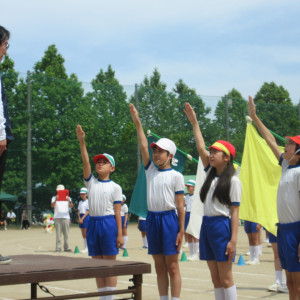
[33,290]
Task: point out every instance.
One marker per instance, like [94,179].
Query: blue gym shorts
[272,238]
[187,219]
[123,220]
[288,240]
[85,221]
[162,230]
[142,226]
[101,236]
[215,234]
[250,227]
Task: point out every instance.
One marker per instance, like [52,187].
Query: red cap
[295,139]
[224,146]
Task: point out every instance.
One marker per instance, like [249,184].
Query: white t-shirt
[212,207]
[61,209]
[124,210]
[11,215]
[102,196]
[83,206]
[188,199]
[288,194]
[162,186]
[142,219]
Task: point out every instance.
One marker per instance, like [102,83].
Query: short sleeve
[117,194]
[235,191]
[179,184]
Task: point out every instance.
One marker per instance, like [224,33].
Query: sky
[213,46]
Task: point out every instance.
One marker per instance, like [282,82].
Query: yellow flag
[260,175]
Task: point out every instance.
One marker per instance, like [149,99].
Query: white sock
[251,252]
[230,293]
[125,237]
[219,293]
[278,276]
[102,290]
[260,249]
[164,297]
[84,243]
[256,252]
[196,248]
[191,248]
[145,242]
[174,298]
[110,288]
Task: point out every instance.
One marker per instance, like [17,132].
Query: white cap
[191,182]
[83,190]
[165,144]
[60,187]
[124,197]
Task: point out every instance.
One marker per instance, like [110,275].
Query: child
[288,203]
[193,243]
[165,189]
[124,216]
[142,226]
[221,196]
[252,230]
[83,216]
[104,233]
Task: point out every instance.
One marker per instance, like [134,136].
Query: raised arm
[266,134]
[140,134]
[200,144]
[84,154]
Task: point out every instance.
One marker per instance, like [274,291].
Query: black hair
[298,149]
[222,190]
[4,34]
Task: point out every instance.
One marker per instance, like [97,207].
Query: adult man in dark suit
[5,126]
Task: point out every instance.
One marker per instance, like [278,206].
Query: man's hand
[80,133]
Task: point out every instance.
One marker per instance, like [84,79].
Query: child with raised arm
[104,233]
[165,190]
[288,203]
[221,196]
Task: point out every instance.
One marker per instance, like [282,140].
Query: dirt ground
[251,281]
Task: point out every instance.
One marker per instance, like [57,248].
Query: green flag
[138,202]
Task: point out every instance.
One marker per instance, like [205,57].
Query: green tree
[272,93]
[276,110]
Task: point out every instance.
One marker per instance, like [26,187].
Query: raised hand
[80,133]
[190,113]
[134,113]
[251,108]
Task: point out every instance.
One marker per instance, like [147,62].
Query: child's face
[289,151]
[217,158]
[83,196]
[159,156]
[103,167]
[190,189]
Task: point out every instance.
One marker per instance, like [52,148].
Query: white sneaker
[254,262]
[185,245]
[248,254]
[274,287]
[283,288]
[84,250]
[248,262]
[193,258]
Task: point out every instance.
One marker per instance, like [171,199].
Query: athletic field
[251,281]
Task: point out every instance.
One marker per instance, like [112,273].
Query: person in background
[11,217]
[3,220]
[5,126]
[83,216]
[124,217]
[61,219]
[25,219]
[142,226]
